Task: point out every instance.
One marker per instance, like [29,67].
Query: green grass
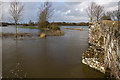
[49,27]
[28,27]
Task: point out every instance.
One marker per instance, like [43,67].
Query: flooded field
[53,57]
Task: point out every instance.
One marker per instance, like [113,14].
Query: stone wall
[103,53]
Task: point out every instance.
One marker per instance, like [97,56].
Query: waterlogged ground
[53,57]
[12,29]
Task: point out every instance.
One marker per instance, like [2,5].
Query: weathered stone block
[104,49]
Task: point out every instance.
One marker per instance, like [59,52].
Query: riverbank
[29,27]
[48,33]
[35,31]
[81,29]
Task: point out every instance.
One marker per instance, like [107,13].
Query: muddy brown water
[53,57]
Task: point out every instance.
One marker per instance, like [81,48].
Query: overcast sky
[63,11]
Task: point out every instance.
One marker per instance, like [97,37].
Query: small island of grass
[29,27]
[45,30]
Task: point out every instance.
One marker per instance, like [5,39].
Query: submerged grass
[28,27]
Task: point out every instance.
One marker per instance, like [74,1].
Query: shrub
[53,27]
[43,24]
[47,25]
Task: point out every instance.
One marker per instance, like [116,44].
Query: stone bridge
[103,53]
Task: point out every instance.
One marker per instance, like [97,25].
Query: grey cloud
[73,15]
[63,11]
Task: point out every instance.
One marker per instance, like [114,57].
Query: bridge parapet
[103,53]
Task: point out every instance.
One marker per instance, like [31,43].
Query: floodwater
[53,57]
[12,29]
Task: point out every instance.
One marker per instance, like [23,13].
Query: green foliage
[43,24]
[29,27]
[53,27]
[46,25]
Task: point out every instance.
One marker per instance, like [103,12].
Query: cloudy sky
[63,11]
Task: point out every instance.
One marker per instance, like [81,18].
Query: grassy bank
[74,29]
[28,27]
[48,33]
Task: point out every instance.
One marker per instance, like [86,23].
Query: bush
[106,18]
[43,24]
[53,27]
[47,25]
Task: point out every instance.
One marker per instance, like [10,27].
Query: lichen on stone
[103,53]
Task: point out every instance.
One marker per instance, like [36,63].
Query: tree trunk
[91,19]
[16,29]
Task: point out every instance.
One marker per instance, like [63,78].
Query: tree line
[97,12]
[50,23]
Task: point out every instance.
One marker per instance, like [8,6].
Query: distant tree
[31,23]
[98,12]
[91,10]
[106,16]
[111,15]
[95,11]
[16,9]
[115,15]
[46,12]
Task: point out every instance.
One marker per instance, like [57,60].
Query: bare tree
[16,9]
[95,11]
[99,11]
[46,12]
[115,15]
[106,16]
[0,13]
[91,10]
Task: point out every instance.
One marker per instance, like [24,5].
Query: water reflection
[16,68]
[12,29]
[53,57]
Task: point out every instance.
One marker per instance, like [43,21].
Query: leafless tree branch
[16,9]
[46,12]
[95,11]
[90,11]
